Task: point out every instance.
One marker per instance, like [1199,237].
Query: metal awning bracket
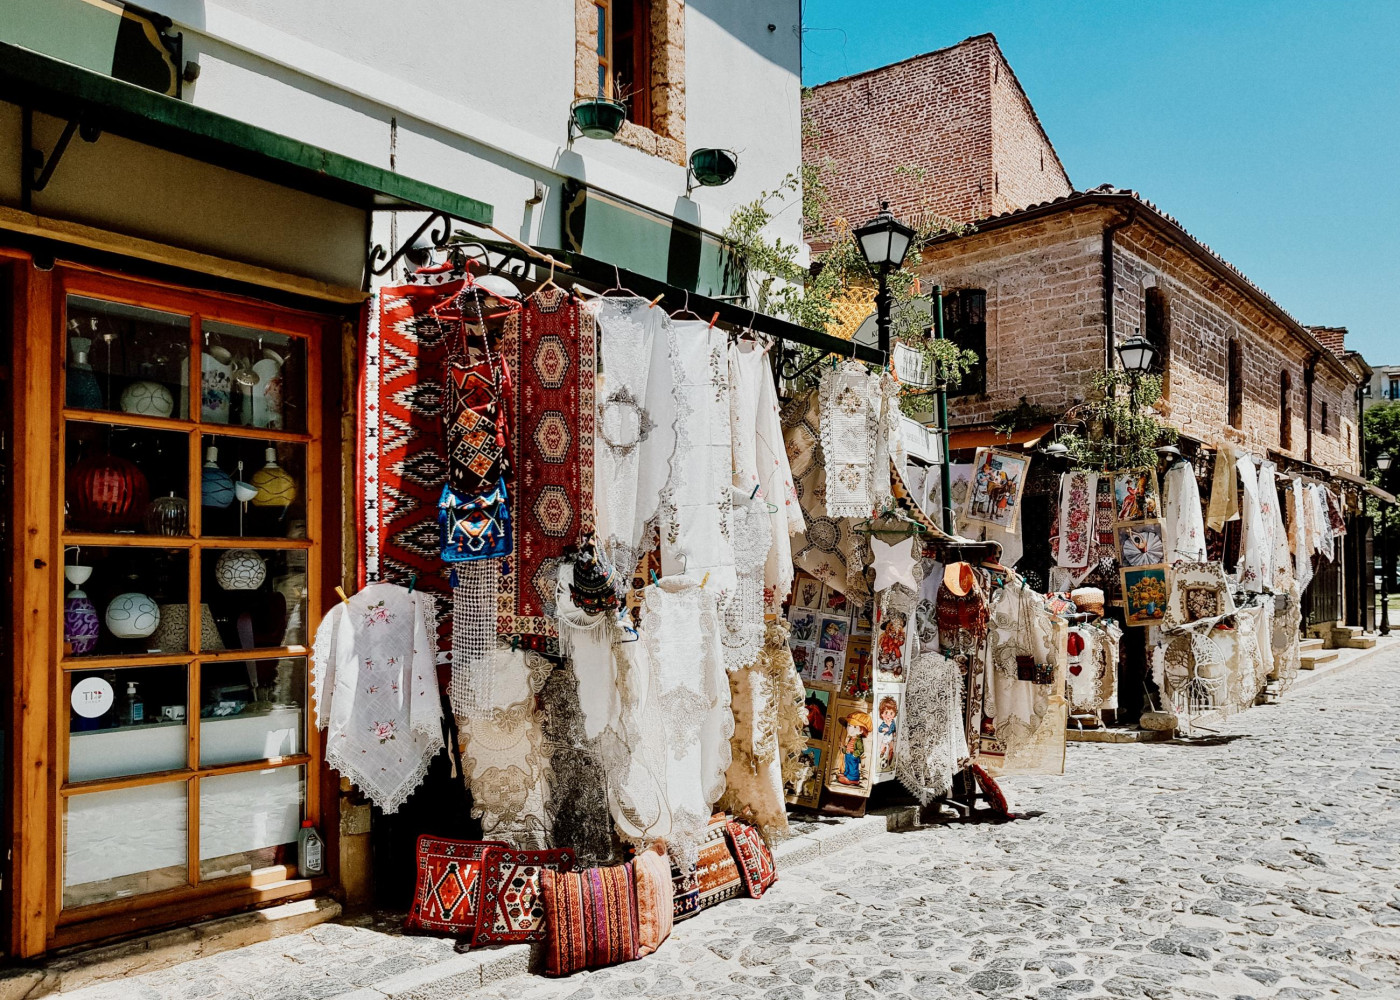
[438,237]
[36,169]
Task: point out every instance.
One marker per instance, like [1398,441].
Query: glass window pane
[125,842]
[251,710]
[126,480]
[125,601]
[252,488]
[128,721]
[249,820]
[252,378]
[602,31]
[127,359]
[258,596]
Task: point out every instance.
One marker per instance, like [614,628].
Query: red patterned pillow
[991,790]
[755,860]
[716,874]
[448,885]
[512,906]
[590,918]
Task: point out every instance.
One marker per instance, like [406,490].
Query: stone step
[1311,661]
[1306,645]
[1356,642]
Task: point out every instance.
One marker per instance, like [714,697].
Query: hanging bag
[474,527]
[475,428]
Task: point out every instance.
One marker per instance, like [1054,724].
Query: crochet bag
[474,527]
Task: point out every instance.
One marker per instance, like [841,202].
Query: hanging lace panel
[932,744]
[850,418]
[473,638]
[741,618]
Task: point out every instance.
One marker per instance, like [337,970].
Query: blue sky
[1269,128]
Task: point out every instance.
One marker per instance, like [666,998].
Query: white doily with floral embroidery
[741,618]
[849,422]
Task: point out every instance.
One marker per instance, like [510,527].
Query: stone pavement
[1262,862]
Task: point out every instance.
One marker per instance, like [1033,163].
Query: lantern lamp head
[1056,449]
[884,241]
[1383,461]
[1137,354]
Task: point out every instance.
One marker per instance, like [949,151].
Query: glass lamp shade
[884,241]
[240,569]
[1136,353]
[83,391]
[275,486]
[216,485]
[1383,461]
[168,516]
[80,623]
[148,399]
[132,616]
[107,493]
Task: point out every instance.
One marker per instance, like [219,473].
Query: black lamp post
[884,242]
[1383,463]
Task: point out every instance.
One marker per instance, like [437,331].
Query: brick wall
[949,133]
[1045,332]
[1334,338]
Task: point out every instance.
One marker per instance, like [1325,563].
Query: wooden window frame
[1285,410]
[39,920]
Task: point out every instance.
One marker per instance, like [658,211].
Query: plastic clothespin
[654,579]
[514,642]
[755,491]
[713,320]
[704,580]
[412,582]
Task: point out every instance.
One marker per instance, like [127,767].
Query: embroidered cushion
[755,860]
[685,895]
[655,898]
[715,871]
[590,918]
[447,889]
[991,791]
[512,908]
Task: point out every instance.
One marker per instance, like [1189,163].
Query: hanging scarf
[850,419]
[1323,526]
[1272,507]
[697,533]
[1223,503]
[1077,537]
[1183,530]
[1255,547]
[1300,536]
[375,689]
[741,617]
[636,425]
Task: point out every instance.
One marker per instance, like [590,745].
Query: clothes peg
[714,319]
[654,580]
[704,580]
[755,492]
[340,592]
[656,300]
[412,582]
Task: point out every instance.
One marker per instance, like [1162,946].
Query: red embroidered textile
[756,866]
[400,458]
[590,919]
[549,346]
[447,890]
[512,903]
[991,791]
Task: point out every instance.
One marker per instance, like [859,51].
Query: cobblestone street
[1260,863]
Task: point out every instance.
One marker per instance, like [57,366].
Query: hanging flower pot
[598,117]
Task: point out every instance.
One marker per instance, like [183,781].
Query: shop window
[1285,410]
[624,56]
[633,51]
[1322,418]
[1157,329]
[965,324]
[1234,383]
[189,549]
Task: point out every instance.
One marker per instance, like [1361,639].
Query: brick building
[1051,278]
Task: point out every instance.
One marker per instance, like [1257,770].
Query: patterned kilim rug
[550,347]
[401,464]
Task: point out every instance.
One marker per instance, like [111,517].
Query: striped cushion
[715,869]
[655,907]
[590,919]
[685,886]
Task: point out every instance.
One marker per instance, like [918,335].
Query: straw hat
[861,719]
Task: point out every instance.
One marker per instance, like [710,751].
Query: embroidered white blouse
[375,690]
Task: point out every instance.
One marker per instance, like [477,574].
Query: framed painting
[817,704]
[994,497]
[833,634]
[807,592]
[1144,595]
[1140,544]
[855,680]
[852,748]
[889,708]
[1135,495]
[805,788]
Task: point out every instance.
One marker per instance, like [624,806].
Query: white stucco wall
[480,91]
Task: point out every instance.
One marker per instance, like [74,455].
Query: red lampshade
[106,493]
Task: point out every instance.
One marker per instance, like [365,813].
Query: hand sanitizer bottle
[135,708]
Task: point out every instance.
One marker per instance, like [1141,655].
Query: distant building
[1384,385]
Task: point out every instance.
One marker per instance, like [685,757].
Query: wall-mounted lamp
[596,118]
[711,168]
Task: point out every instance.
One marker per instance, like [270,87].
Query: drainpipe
[1309,375]
[1109,340]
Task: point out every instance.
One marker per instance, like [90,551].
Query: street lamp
[1383,463]
[1137,355]
[884,242]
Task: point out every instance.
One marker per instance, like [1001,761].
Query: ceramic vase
[215,384]
[267,394]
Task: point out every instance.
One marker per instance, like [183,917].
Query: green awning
[71,92]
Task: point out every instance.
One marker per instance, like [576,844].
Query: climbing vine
[1118,427]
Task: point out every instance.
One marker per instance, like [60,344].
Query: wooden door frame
[35,622]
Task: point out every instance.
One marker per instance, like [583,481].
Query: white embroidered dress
[1256,546]
[1183,527]
[375,688]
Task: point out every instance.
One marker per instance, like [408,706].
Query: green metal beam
[66,91]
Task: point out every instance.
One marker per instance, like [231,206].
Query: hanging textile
[636,432]
[961,609]
[476,421]
[827,547]
[577,807]
[741,617]
[549,344]
[473,638]
[1020,693]
[1288,615]
[769,735]
[761,461]
[401,461]
[375,689]
[887,439]
[1271,505]
[1224,505]
[1183,528]
[1255,547]
[1325,536]
[931,746]
[1077,539]
[1335,517]
[1299,536]
[697,533]
[505,762]
[850,420]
